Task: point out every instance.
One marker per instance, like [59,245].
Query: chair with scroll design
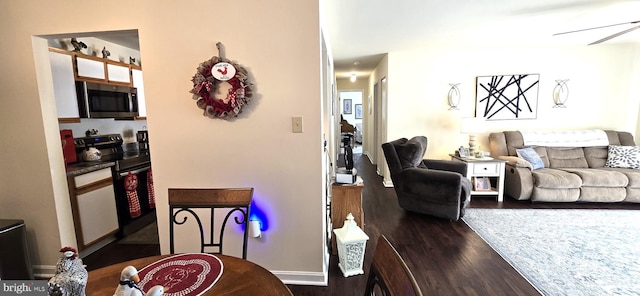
[183,201]
[390,273]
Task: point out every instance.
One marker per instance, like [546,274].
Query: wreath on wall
[221,87]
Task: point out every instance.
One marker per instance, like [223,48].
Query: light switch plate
[296,123]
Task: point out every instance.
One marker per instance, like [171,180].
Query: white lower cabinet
[94,205]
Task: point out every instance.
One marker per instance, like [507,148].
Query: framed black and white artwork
[507,96]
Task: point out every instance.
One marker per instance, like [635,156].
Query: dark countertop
[81,168]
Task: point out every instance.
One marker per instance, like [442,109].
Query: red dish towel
[152,194]
[130,185]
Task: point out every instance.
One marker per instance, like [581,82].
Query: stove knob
[112,138]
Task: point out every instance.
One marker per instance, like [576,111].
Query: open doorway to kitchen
[109,58]
[352,112]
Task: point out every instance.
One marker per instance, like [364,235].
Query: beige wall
[278,42]
[603,90]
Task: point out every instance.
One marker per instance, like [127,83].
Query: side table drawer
[486,169]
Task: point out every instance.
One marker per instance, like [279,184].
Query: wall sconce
[454,96]
[254,228]
[560,93]
[353,77]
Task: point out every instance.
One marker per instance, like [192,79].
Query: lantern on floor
[351,242]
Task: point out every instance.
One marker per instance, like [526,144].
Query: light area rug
[566,251]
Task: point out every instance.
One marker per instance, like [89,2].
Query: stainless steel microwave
[98,100]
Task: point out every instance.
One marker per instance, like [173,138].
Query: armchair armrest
[441,185]
[446,165]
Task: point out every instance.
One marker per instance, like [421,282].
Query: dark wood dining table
[239,277]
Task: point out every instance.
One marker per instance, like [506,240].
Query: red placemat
[182,275]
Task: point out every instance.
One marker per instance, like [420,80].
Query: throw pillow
[411,152]
[531,156]
[623,157]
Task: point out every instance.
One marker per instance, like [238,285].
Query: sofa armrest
[446,165]
[517,161]
[518,182]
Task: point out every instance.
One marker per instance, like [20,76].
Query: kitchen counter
[81,168]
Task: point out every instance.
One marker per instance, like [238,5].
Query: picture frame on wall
[346,108]
[358,110]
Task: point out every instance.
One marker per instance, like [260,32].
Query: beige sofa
[570,174]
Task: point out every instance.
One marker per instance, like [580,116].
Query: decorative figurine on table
[129,284]
[71,275]
[156,291]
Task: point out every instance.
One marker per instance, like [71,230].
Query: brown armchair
[434,187]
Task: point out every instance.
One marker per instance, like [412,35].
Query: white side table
[485,167]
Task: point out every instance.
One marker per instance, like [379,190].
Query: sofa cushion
[411,152]
[633,176]
[602,194]
[555,195]
[566,157]
[596,156]
[556,179]
[600,178]
[531,156]
[623,157]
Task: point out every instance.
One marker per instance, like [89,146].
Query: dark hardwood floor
[446,258]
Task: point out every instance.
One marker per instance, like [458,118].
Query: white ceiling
[364,30]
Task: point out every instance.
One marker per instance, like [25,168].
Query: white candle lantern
[351,242]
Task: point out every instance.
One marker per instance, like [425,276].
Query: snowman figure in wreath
[221,87]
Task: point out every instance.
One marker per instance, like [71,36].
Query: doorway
[352,112]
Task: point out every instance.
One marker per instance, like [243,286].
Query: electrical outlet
[296,123]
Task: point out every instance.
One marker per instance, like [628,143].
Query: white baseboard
[302,278]
[44,271]
[305,278]
[387,183]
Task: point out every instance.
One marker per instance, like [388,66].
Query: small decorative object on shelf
[71,276]
[560,94]
[78,45]
[351,242]
[221,87]
[454,96]
[105,53]
[132,60]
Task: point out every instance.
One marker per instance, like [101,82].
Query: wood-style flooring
[446,258]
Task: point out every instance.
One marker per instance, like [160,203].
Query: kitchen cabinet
[64,87]
[117,73]
[93,206]
[136,75]
[95,69]
[90,67]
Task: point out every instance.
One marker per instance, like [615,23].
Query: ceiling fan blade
[614,35]
[587,29]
